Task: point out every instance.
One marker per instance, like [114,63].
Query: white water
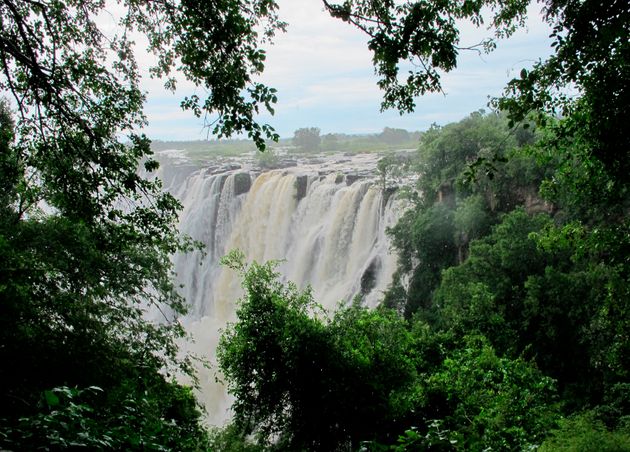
[326,227]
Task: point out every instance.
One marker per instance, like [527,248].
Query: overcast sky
[325,78]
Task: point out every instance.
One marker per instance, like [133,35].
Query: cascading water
[325,225]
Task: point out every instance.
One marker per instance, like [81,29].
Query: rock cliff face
[325,221]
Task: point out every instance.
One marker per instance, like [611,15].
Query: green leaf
[51,399]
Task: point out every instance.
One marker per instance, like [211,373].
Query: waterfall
[324,221]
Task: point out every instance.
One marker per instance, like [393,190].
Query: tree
[85,241]
[591,54]
[330,142]
[425,239]
[391,169]
[451,210]
[307,138]
[586,432]
[305,383]
[62,70]
[446,152]
[592,51]
[495,402]
[394,136]
[526,288]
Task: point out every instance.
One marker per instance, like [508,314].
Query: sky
[323,71]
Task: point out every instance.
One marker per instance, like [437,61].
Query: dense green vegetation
[304,381]
[506,316]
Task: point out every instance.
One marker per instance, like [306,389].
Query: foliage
[421,39]
[445,153]
[471,219]
[330,142]
[522,297]
[229,439]
[591,56]
[303,382]
[584,432]
[268,159]
[507,291]
[552,293]
[394,136]
[550,287]
[581,186]
[497,403]
[78,274]
[450,213]
[306,381]
[435,438]
[78,418]
[85,240]
[488,286]
[473,399]
[392,168]
[76,84]
[307,139]
[426,244]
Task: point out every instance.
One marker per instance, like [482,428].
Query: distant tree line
[309,139]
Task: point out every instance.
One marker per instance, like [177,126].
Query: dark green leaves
[85,241]
[303,382]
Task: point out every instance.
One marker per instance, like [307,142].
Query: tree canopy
[307,138]
[359,378]
[513,274]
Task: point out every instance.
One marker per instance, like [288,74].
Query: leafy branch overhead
[70,77]
[414,43]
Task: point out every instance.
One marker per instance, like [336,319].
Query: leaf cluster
[413,43]
[72,418]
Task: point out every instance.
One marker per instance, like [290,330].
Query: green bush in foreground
[584,433]
[309,380]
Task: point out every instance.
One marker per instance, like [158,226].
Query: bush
[585,433]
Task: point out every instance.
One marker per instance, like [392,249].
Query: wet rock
[301,184]
[368,279]
[242,183]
